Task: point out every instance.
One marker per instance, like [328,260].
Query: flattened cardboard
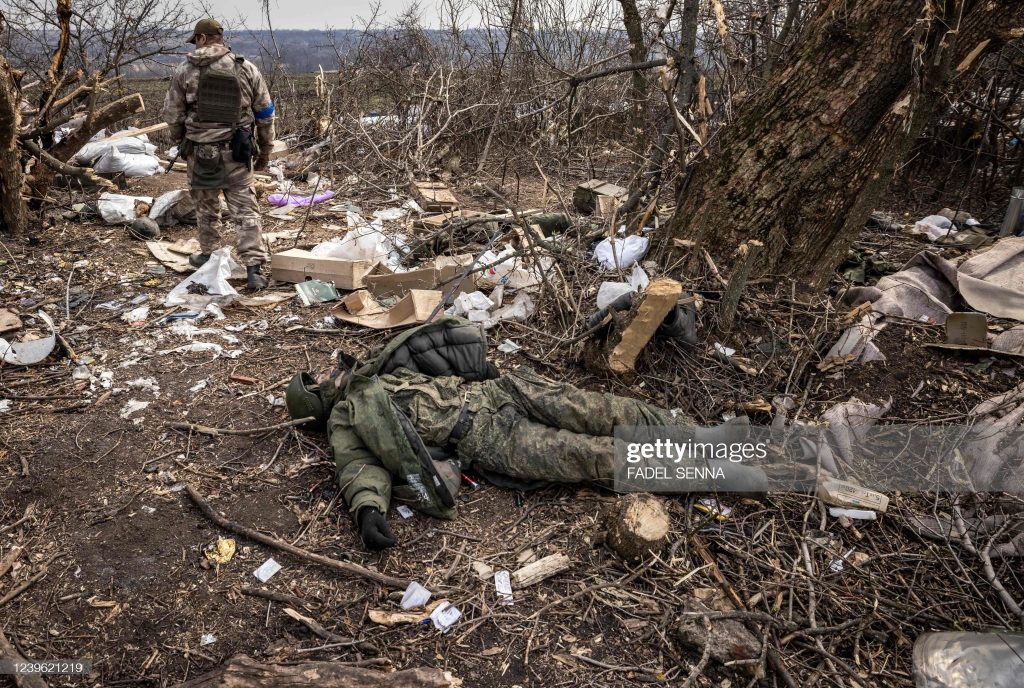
[414,308]
[441,274]
[174,256]
[297,265]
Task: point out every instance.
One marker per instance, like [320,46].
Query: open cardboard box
[441,274]
[297,265]
[361,308]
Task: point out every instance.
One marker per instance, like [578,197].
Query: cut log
[244,672]
[540,570]
[660,298]
[638,526]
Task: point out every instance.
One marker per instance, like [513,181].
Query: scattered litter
[146,384]
[483,570]
[415,596]
[199,386]
[935,227]
[724,350]
[131,407]
[503,584]
[616,252]
[313,292]
[508,347]
[858,514]
[838,565]
[390,214]
[30,352]
[221,551]
[404,511]
[174,255]
[207,639]
[136,315]
[712,507]
[444,616]
[415,307]
[5,405]
[847,494]
[267,570]
[202,348]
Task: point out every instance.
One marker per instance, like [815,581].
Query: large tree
[808,155]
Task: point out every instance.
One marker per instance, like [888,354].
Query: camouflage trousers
[533,429]
[235,181]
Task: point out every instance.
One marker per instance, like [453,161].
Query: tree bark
[638,91]
[243,672]
[12,206]
[810,154]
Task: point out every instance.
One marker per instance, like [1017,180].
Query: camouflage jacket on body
[256,108]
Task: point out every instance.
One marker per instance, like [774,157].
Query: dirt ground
[113,568]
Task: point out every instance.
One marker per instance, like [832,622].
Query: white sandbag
[94,150]
[173,207]
[214,276]
[132,164]
[117,209]
[621,252]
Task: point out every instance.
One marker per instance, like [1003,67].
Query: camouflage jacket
[180,103]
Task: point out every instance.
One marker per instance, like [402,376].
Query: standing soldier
[215,101]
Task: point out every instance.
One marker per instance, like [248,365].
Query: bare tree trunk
[808,156]
[12,206]
[638,91]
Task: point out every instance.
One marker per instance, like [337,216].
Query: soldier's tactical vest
[219,95]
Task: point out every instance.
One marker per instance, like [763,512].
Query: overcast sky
[312,14]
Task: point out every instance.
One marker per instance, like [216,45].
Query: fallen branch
[207,430]
[346,567]
[243,672]
[83,174]
[10,653]
[336,640]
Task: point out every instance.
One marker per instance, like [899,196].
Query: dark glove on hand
[261,163]
[374,529]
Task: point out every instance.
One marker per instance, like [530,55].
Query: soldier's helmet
[208,27]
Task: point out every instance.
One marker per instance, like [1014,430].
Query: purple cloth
[281,200]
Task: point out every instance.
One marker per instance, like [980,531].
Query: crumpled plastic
[935,227]
[365,241]
[31,352]
[213,276]
[512,272]
[173,207]
[98,147]
[621,252]
[282,200]
[609,291]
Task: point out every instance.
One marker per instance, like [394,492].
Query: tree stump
[637,526]
[244,672]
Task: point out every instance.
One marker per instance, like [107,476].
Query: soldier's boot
[198,260]
[253,278]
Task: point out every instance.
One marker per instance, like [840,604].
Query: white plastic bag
[132,164]
[116,209]
[514,273]
[618,252]
[213,276]
[934,227]
[364,242]
[173,207]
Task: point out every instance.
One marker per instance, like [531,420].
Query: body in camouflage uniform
[205,145]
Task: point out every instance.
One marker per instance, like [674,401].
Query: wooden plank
[660,298]
[434,196]
[137,132]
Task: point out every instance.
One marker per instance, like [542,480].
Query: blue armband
[265,113]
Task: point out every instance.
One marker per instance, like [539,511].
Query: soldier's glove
[374,529]
[261,163]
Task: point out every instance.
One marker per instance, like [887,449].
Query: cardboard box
[843,493]
[598,196]
[441,275]
[296,265]
[414,308]
[434,196]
